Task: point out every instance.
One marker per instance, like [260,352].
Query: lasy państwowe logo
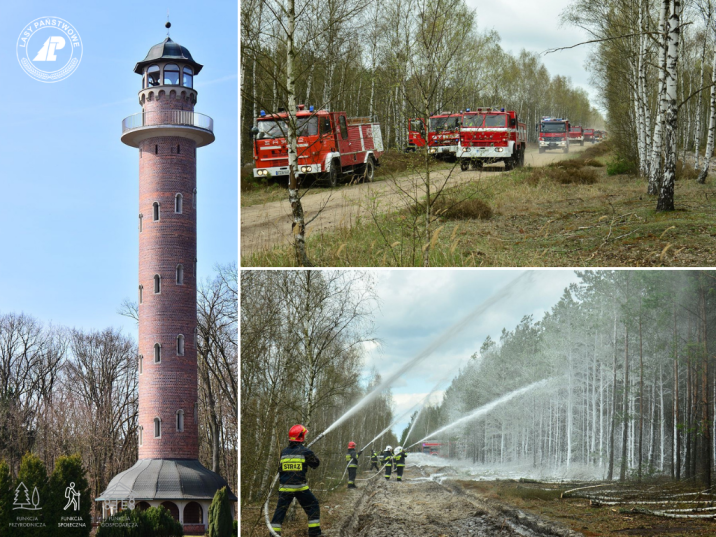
[49,49]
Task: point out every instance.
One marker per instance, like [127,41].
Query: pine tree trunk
[625,406]
[610,471]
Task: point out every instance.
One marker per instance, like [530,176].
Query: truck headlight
[499,150]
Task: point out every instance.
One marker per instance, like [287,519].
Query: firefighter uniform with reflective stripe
[352,460]
[400,464]
[388,461]
[295,461]
[374,460]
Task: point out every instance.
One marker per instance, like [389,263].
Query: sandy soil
[427,505]
[263,226]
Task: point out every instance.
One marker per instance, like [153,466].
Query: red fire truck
[553,134]
[431,448]
[330,145]
[416,134]
[444,135]
[589,135]
[576,135]
[491,135]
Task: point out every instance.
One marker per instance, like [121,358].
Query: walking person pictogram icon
[73,497]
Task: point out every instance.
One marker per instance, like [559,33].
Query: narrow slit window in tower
[180,274]
[140,221]
[157,284]
[193,199]
[157,428]
[178,203]
[157,353]
[180,420]
[141,294]
[178,149]
[141,364]
[141,435]
[156,149]
[180,345]
[156,211]
[140,152]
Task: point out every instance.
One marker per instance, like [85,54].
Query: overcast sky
[417,306]
[534,25]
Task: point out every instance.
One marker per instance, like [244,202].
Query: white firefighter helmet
[398,450]
[388,448]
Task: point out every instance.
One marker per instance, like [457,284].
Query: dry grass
[452,207]
[685,171]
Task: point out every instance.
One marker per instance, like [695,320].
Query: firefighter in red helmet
[352,460]
[294,463]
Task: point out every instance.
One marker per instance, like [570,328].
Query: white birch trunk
[666,191]
[657,140]
[697,131]
[712,121]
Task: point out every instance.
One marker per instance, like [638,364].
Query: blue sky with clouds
[417,306]
[68,226]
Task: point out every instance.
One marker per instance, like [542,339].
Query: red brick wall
[170,385]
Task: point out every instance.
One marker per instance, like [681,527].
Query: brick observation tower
[167,133]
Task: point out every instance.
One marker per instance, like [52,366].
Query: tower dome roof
[165,479]
[167,50]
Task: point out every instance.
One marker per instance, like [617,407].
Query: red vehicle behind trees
[576,135]
[329,145]
[416,134]
[490,135]
[444,134]
[553,134]
[589,135]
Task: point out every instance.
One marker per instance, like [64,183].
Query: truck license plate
[281,172]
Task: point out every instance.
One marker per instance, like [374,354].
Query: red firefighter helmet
[297,433]
[351,445]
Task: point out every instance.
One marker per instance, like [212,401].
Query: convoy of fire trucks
[332,146]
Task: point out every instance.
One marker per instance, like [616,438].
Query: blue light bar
[263,113]
[310,108]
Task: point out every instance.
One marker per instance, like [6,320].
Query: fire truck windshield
[553,127]
[575,129]
[416,125]
[438,124]
[305,126]
[496,120]
[473,120]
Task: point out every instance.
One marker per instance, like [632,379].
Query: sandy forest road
[420,506]
[263,226]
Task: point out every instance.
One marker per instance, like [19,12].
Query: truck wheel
[541,150]
[509,164]
[333,174]
[476,164]
[464,164]
[521,158]
[566,149]
[369,171]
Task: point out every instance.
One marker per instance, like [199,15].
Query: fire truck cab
[329,144]
[553,134]
[444,135]
[416,134]
[589,135]
[491,135]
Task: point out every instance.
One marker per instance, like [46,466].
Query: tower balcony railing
[167,117]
